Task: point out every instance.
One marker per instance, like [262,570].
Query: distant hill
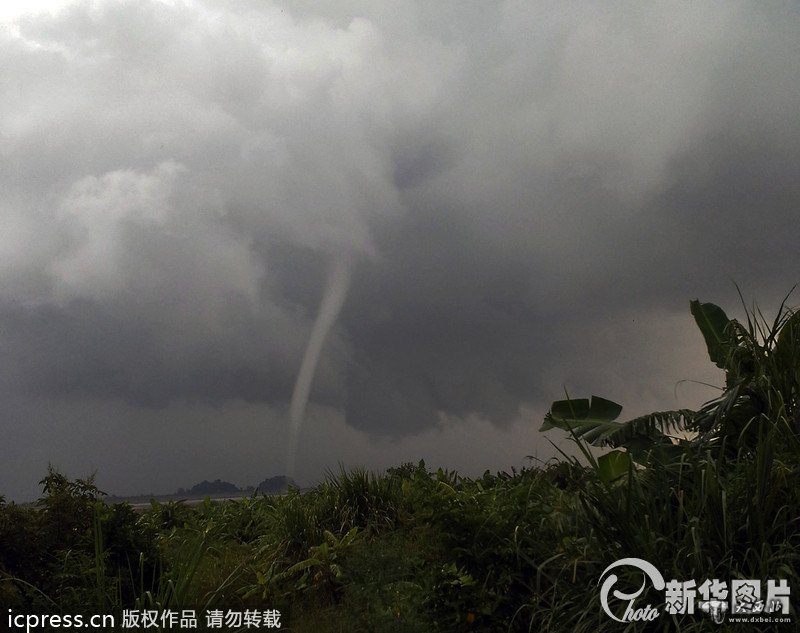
[272,485]
[215,487]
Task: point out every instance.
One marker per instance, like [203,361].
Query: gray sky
[529,194]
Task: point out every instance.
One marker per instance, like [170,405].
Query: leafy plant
[761,361]
[762,385]
[322,569]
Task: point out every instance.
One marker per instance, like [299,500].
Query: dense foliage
[708,494]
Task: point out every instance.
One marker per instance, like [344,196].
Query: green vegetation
[701,494]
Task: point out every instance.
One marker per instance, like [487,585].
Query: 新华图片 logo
[739,600]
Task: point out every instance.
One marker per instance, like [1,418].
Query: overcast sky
[527,195]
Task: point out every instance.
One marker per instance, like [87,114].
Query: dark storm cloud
[178,177]
[84,349]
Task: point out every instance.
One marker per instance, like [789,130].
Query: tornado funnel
[336,287]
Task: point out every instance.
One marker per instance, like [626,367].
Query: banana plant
[761,361]
[595,421]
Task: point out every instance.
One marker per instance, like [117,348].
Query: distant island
[217,489]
